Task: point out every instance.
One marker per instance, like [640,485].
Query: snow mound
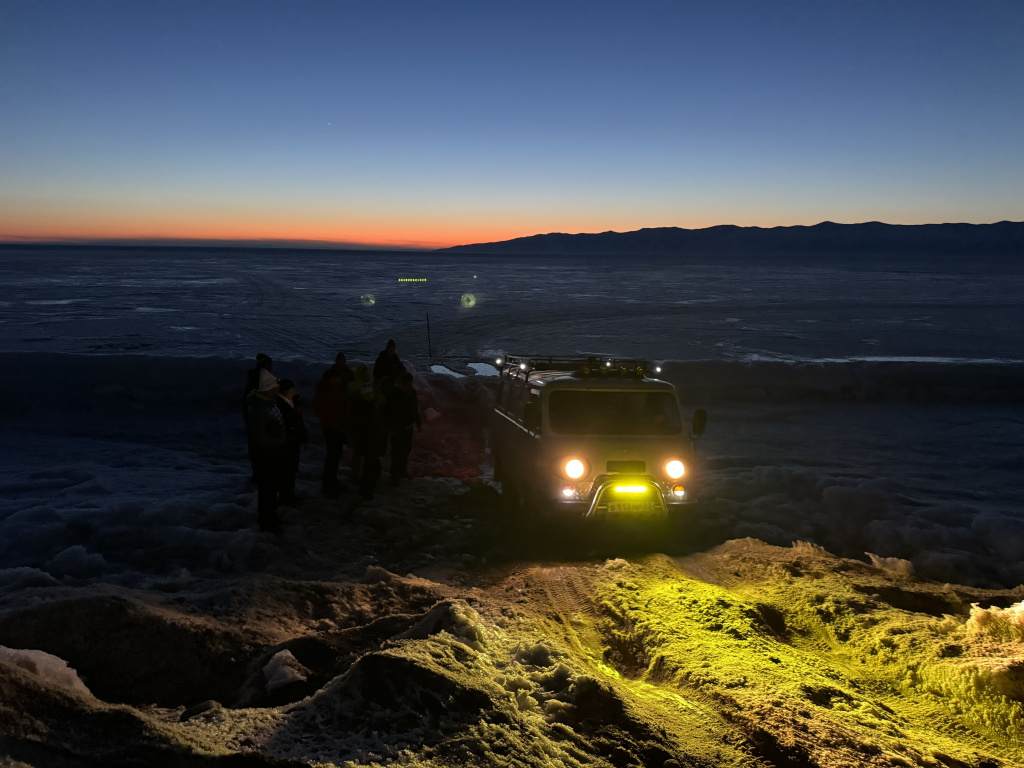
[24,577]
[407,695]
[52,671]
[895,565]
[997,623]
[454,617]
[284,669]
[77,561]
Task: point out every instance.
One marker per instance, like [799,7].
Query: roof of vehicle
[582,372]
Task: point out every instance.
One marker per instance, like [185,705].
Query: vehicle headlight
[574,469]
[675,469]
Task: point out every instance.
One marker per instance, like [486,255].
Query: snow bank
[50,670]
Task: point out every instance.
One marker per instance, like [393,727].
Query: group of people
[363,408]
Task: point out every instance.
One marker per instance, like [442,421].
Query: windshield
[605,412]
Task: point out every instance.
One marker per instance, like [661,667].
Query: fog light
[631,489]
[568,491]
[678,491]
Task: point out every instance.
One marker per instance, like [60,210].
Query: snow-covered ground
[420,630]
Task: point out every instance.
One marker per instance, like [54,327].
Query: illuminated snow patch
[1001,623]
[484,369]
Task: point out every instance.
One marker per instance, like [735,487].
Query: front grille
[632,467]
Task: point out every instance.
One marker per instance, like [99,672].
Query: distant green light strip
[412,279]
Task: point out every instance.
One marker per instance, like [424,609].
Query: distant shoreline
[1003,239]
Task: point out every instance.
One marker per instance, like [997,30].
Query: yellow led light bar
[631,489]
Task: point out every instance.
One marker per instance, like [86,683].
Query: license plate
[631,507]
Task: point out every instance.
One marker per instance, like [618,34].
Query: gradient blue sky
[435,123]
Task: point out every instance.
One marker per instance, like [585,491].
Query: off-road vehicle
[592,438]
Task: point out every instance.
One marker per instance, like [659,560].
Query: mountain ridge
[1002,238]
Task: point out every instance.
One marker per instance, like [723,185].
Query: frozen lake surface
[307,304]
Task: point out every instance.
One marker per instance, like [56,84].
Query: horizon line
[343,245]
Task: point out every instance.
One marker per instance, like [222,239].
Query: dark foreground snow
[144,619]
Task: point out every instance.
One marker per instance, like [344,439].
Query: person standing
[296,437]
[252,383]
[387,365]
[364,427]
[330,402]
[386,369]
[267,439]
[404,414]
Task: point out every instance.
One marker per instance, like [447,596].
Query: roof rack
[589,365]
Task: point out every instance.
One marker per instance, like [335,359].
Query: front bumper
[625,496]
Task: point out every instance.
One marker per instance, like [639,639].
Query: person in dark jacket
[403,414]
[386,369]
[252,383]
[364,428]
[267,439]
[296,437]
[330,402]
[387,366]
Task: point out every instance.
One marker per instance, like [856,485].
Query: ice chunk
[484,369]
[52,671]
[283,669]
[895,565]
[446,371]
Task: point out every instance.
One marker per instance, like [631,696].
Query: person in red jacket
[330,403]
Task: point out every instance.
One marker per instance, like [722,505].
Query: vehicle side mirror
[700,420]
[531,417]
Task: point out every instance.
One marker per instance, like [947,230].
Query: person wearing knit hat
[268,381]
[268,441]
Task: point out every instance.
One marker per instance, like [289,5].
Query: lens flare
[368,299]
[468,300]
